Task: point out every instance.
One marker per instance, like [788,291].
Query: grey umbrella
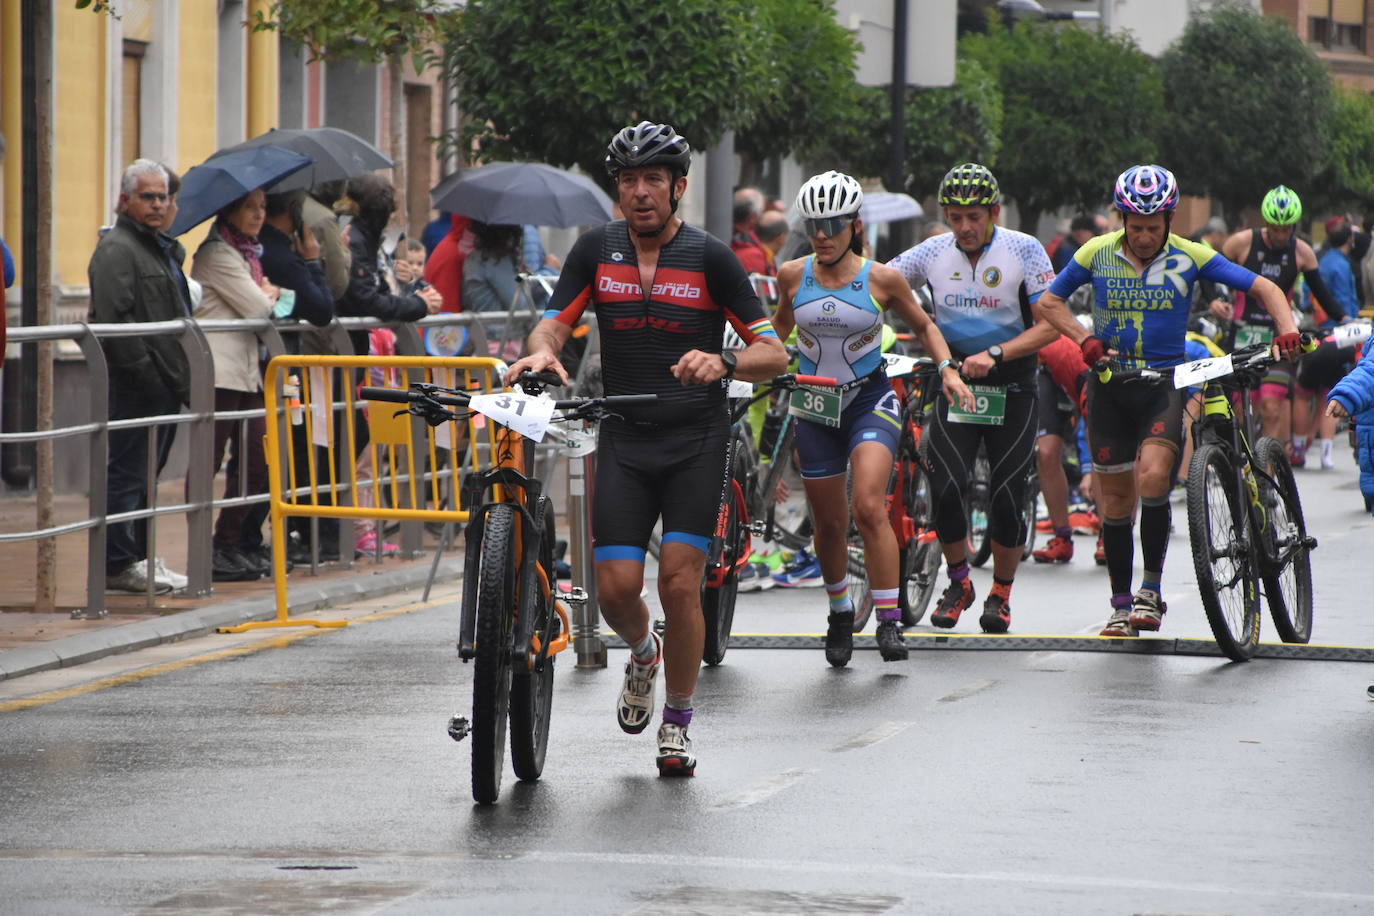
[515,193]
[336,153]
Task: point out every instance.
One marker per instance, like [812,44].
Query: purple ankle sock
[1066,532]
[673,716]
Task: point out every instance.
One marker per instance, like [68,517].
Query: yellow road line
[274,642]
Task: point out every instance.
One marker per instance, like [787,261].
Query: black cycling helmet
[648,144]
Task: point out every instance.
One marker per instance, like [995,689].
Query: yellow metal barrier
[312,409]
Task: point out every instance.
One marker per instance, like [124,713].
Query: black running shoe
[890,644]
[839,638]
[956,599]
[996,615]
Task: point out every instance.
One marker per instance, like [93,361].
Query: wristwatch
[995,351]
[731,360]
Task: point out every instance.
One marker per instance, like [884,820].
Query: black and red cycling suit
[669,458]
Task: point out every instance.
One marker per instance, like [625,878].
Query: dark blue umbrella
[336,154]
[213,185]
[514,193]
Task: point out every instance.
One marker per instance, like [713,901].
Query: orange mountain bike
[513,624]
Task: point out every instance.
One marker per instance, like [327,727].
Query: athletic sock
[1328,457]
[1154,538]
[1299,444]
[1064,532]
[645,651]
[1118,542]
[1001,588]
[678,710]
[838,592]
[1121,602]
[958,570]
[885,603]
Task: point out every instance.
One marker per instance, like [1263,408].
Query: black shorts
[1011,452]
[1122,415]
[643,473]
[1055,411]
[1320,370]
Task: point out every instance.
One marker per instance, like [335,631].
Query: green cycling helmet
[1281,207]
[969,185]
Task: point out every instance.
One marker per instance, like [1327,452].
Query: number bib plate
[989,407]
[1250,334]
[817,406]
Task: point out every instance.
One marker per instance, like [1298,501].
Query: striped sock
[838,593]
[885,603]
[645,651]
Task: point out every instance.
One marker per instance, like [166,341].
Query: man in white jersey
[985,281]
[835,298]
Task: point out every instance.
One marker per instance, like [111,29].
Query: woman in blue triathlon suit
[835,298]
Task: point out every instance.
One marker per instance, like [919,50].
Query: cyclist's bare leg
[829,499]
[618,584]
[1153,468]
[680,570]
[1054,483]
[871,467]
[1275,417]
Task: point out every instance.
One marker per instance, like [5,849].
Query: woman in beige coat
[227,266]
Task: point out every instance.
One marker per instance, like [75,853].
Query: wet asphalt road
[314,774]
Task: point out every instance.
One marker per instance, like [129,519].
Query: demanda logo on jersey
[992,276]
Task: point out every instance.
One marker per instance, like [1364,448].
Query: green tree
[1079,107]
[1346,178]
[944,126]
[1249,107]
[804,40]
[553,80]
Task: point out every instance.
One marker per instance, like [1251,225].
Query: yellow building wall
[80,206]
[198,63]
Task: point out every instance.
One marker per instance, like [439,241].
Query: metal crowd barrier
[199,505]
[344,478]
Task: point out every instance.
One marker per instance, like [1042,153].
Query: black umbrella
[213,185]
[336,153]
[514,193]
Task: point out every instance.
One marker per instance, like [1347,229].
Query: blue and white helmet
[1146,189]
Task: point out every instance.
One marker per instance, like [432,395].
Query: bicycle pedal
[1310,542]
[757,528]
[660,625]
[458,728]
[576,595]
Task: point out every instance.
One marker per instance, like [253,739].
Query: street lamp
[1031,9]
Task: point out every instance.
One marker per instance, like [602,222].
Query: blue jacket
[1355,392]
[1336,273]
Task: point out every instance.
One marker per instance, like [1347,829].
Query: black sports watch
[995,351]
[731,361]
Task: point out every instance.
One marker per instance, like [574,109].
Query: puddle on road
[719,901]
[284,897]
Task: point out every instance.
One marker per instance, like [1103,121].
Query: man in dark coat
[135,276]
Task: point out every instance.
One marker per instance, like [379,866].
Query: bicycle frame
[915,392]
[508,483]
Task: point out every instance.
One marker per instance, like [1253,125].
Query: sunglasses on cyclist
[829,226]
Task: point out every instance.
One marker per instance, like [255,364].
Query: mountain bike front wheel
[1222,554]
[491,675]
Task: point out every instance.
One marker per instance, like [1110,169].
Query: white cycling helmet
[830,194]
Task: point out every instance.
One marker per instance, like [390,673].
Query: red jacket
[444,269]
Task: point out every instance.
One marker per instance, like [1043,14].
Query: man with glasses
[135,276]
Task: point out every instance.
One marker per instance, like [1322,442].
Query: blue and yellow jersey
[1144,316]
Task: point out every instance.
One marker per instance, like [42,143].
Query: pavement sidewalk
[31,641]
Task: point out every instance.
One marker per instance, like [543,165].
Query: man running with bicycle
[835,298]
[669,459]
[985,280]
[1142,278]
[1275,252]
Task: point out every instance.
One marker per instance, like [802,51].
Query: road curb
[86,647]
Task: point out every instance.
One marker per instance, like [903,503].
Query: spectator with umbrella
[228,266]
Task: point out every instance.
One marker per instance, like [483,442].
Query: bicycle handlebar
[1253,357]
[436,394]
